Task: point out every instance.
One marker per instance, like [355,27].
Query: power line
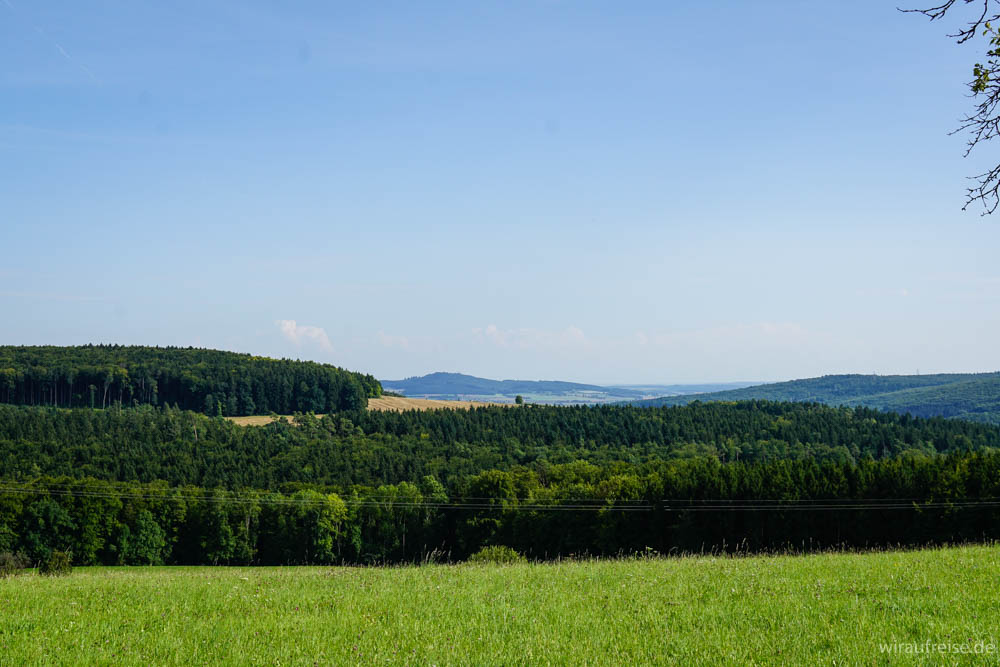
[74,486]
[530,504]
[369,496]
[273,499]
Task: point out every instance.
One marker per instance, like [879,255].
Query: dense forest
[152,478]
[689,505]
[208,381]
[970,396]
[366,447]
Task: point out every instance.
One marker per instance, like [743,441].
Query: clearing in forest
[390,403]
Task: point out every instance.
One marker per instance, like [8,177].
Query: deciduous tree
[982,22]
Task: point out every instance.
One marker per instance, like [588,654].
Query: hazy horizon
[648,194]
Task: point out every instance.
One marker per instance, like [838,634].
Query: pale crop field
[390,403]
[399,403]
[796,610]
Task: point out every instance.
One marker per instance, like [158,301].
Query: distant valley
[461,387]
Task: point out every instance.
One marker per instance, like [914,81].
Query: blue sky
[591,191]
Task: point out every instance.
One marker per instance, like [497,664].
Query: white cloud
[883,292]
[495,336]
[756,334]
[527,338]
[297,333]
[388,340]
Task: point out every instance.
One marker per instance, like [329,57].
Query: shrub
[497,554]
[12,563]
[58,563]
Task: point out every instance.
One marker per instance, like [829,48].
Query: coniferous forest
[144,479]
[209,381]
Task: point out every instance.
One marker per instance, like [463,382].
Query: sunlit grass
[831,608]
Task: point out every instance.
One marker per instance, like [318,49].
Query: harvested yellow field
[391,403]
[255,420]
[397,404]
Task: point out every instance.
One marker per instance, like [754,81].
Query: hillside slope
[384,447]
[975,400]
[209,381]
[972,396]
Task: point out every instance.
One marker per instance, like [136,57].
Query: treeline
[208,381]
[548,512]
[975,400]
[749,430]
[971,396]
[372,448]
[830,389]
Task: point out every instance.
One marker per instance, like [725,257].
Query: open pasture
[816,609]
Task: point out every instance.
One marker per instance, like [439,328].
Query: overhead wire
[523,504]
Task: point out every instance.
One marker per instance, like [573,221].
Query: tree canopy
[209,381]
[372,447]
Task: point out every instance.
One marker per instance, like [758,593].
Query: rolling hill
[457,386]
[210,381]
[970,396]
[658,390]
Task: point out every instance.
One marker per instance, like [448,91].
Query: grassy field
[391,403]
[829,609]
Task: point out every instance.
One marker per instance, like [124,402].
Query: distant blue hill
[458,385]
[971,396]
[675,389]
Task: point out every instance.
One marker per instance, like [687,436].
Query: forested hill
[458,384]
[970,396]
[151,485]
[209,381]
[371,448]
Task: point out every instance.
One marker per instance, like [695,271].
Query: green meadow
[814,609]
